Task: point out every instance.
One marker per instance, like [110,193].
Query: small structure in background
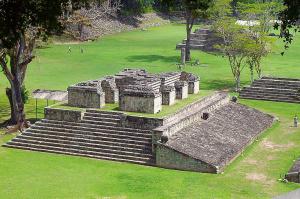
[273,89]
[295,121]
[294,173]
[54,95]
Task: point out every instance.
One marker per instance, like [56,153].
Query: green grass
[166,110]
[254,174]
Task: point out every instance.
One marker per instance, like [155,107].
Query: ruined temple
[135,90]
[204,136]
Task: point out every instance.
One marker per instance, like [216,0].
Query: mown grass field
[254,174]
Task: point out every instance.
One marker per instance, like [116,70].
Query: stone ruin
[135,90]
[203,136]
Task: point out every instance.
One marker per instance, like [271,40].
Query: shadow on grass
[153,58]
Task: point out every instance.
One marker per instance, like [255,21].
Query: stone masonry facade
[135,90]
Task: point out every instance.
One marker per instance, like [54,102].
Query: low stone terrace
[223,136]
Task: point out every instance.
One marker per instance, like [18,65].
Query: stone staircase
[98,135]
[197,40]
[273,89]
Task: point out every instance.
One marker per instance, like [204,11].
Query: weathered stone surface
[168,95]
[169,79]
[294,173]
[110,89]
[169,158]
[141,122]
[190,114]
[63,115]
[86,96]
[181,90]
[223,136]
[273,89]
[192,80]
[140,99]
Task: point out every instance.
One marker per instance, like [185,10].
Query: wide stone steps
[195,41]
[289,92]
[95,128]
[282,78]
[202,31]
[93,138]
[78,152]
[192,46]
[273,89]
[92,145]
[99,132]
[276,85]
[102,115]
[271,98]
[98,120]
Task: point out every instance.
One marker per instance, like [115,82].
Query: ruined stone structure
[110,89]
[135,90]
[294,173]
[193,82]
[204,136]
[181,88]
[86,95]
[202,39]
[273,89]
[168,95]
[140,99]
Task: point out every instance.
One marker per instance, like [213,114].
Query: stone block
[193,82]
[181,88]
[193,87]
[168,95]
[140,99]
[86,95]
[109,87]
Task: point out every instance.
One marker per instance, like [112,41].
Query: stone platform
[273,89]
[209,145]
[184,140]
[294,173]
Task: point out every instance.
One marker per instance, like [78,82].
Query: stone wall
[169,158]
[85,97]
[140,104]
[189,114]
[63,115]
[141,122]
[293,177]
[181,90]
[194,87]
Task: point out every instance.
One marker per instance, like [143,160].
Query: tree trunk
[13,116]
[188,37]
[252,73]
[188,47]
[237,83]
[18,102]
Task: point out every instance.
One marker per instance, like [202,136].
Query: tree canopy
[22,22]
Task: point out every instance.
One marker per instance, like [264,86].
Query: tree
[235,46]
[289,18]
[264,13]
[86,16]
[193,9]
[257,49]
[22,22]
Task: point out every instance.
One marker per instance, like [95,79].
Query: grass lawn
[254,174]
